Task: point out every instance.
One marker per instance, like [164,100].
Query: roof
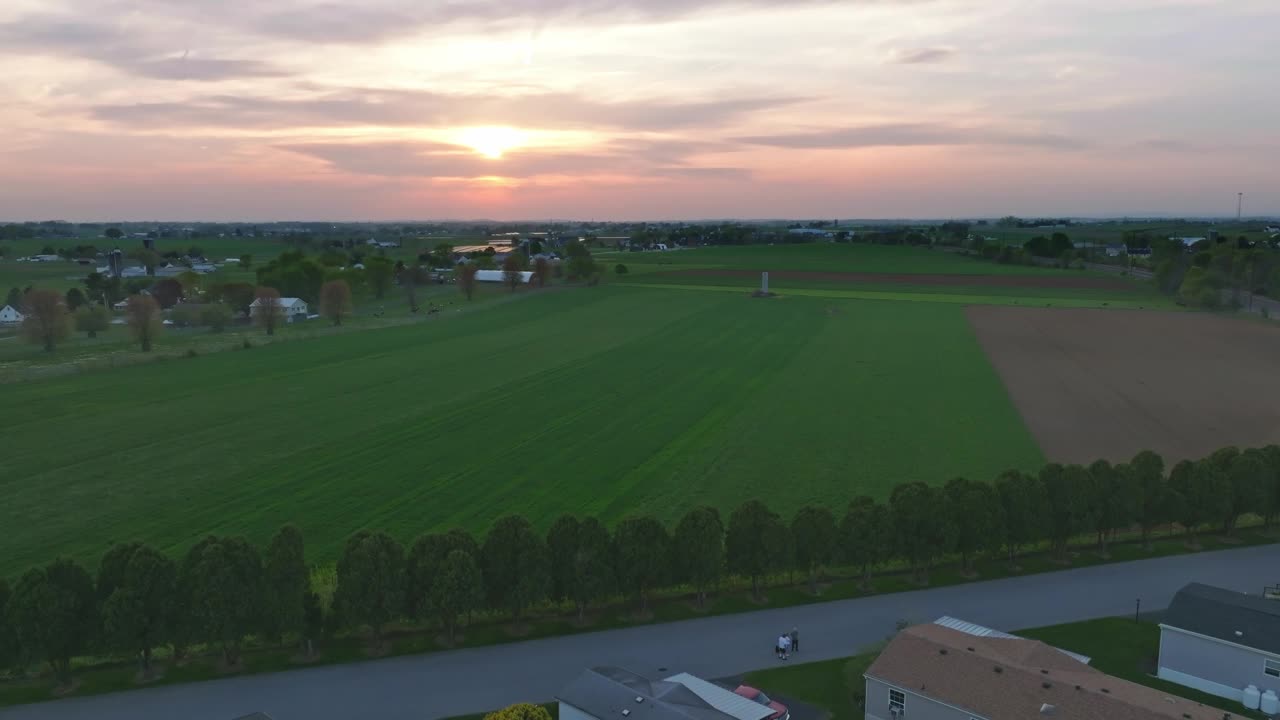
[977,630]
[284,302]
[1009,678]
[612,693]
[729,703]
[1249,620]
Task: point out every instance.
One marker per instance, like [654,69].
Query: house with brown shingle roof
[935,672]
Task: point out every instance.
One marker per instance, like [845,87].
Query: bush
[191,352]
[620,269]
[216,316]
[246,344]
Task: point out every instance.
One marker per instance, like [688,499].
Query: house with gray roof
[611,693]
[1221,642]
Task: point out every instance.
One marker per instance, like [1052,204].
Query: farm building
[500,276]
[292,308]
[10,315]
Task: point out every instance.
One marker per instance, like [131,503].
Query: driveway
[473,680]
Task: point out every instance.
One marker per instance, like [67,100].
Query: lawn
[830,257]
[609,400]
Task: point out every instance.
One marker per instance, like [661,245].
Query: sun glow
[492,142]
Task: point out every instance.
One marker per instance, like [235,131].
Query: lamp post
[1137,609]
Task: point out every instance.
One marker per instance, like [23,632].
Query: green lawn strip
[824,684]
[1128,650]
[95,676]
[830,257]
[930,297]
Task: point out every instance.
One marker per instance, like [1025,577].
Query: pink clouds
[634,109]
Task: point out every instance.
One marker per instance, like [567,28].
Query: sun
[492,142]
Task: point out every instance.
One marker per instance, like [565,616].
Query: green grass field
[610,400]
[828,257]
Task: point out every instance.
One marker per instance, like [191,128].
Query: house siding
[1212,666]
[918,707]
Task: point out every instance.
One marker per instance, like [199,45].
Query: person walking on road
[795,640]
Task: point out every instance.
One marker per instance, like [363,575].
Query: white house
[291,308]
[133,272]
[501,276]
[9,316]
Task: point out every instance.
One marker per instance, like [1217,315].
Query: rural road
[464,681]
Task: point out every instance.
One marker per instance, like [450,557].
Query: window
[897,701]
[1271,667]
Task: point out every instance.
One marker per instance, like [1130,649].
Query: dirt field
[1108,383]
[1030,281]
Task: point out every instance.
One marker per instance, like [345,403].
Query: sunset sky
[636,109]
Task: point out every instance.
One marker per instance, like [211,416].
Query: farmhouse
[944,673]
[291,308]
[611,693]
[1222,642]
[10,315]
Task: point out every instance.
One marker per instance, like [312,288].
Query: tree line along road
[474,680]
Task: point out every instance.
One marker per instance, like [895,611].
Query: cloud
[908,134]
[428,109]
[922,56]
[131,52]
[437,160]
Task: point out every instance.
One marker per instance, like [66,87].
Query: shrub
[246,344]
[191,352]
[620,269]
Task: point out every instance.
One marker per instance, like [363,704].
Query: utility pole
[1239,205]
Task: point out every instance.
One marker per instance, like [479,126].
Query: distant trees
[816,541]
[287,581]
[215,316]
[293,274]
[865,536]
[513,270]
[74,299]
[226,587]
[921,526]
[592,578]
[581,265]
[379,271]
[562,550]
[246,260]
[541,271]
[92,319]
[466,278]
[137,611]
[142,314]
[973,508]
[1022,510]
[268,313]
[515,564]
[643,560]
[44,320]
[755,543]
[1152,502]
[335,300]
[457,588]
[53,614]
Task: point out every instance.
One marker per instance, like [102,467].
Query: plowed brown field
[1109,383]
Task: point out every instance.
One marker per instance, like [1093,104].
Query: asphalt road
[466,681]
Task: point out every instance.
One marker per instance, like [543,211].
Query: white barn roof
[729,703]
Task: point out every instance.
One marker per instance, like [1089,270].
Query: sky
[636,109]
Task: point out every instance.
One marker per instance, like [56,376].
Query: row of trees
[225,589]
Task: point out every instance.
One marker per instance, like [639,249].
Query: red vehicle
[780,711]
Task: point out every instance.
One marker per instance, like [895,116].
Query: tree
[167,292]
[8,640]
[814,534]
[215,316]
[370,588]
[754,542]
[457,589]
[246,260]
[14,298]
[698,550]
[335,300]
[466,276]
[1022,510]
[865,537]
[592,578]
[74,299]
[541,271]
[522,711]
[423,566]
[136,613]
[513,270]
[379,271]
[1249,473]
[620,269]
[1063,487]
[112,568]
[972,507]
[410,278]
[92,319]
[1271,492]
[113,233]
[268,312]
[1146,474]
[920,524]
[142,314]
[313,620]
[44,320]
[226,593]
[581,264]
[642,547]
[286,582]
[516,569]
[562,551]
[1107,502]
[53,613]
[149,258]
[1203,492]
[294,275]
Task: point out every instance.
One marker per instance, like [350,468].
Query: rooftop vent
[1046,685]
[626,713]
[639,699]
[1169,700]
[942,651]
[1239,634]
[1077,687]
[969,649]
[1047,709]
[998,669]
[1105,690]
[1044,672]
